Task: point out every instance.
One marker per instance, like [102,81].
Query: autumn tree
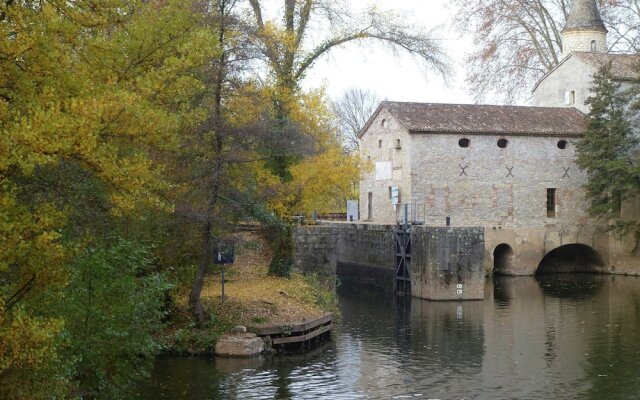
[290,50]
[88,90]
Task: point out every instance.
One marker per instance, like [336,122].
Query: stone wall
[571,75]
[387,133]
[499,186]
[364,255]
[580,40]
[357,254]
[447,263]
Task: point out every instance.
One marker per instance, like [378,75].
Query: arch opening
[571,258]
[502,259]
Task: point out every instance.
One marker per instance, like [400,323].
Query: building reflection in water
[556,336]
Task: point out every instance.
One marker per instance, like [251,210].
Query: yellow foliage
[104,85]
[326,182]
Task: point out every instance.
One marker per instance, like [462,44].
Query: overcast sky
[392,77]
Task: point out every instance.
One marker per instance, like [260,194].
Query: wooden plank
[277,330]
[303,338]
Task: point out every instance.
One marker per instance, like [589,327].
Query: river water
[550,337]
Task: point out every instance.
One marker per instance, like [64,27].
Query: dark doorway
[571,258]
[503,259]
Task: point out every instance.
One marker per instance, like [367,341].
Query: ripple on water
[555,337]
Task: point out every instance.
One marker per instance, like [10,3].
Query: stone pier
[446,263]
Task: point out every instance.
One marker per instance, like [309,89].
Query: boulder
[239,345]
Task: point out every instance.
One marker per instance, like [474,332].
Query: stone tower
[584,30]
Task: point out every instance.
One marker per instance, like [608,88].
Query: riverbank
[252,299]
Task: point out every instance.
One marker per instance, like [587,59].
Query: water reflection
[558,336]
[571,286]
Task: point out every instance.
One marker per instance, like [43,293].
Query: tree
[608,152]
[517,41]
[352,112]
[87,89]
[290,52]
[112,306]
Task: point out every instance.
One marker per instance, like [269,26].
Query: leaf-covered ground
[252,298]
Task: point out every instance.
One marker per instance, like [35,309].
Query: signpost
[224,254]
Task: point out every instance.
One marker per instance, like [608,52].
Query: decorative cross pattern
[510,172]
[566,172]
[464,170]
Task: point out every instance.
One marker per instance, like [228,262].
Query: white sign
[384,171]
[395,195]
[459,291]
[459,285]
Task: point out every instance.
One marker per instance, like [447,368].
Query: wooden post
[222,281]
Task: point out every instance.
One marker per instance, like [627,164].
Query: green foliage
[259,319]
[112,307]
[282,261]
[324,292]
[608,153]
[190,339]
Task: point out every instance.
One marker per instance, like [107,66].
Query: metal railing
[411,213]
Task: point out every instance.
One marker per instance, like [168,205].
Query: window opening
[390,192]
[570,98]
[398,147]
[502,143]
[562,144]
[551,203]
[379,144]
[384,123]
[464,143]
[593,45]
[370,206]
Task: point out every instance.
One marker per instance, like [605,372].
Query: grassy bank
[252,299]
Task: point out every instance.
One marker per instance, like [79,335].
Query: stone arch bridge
[450,263]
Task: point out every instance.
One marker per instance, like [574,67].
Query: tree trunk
[195,300]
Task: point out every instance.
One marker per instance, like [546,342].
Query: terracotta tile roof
[623,66]
[485,119]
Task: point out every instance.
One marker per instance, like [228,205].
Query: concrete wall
[364,254]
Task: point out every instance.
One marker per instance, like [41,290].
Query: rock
[239,345]
[239,329]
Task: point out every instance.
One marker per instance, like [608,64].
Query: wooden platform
[298,333]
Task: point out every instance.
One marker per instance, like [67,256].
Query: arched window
[594,45]
[464,143]
[503,143]
[384,123]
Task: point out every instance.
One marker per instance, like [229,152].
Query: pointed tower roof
[584,16]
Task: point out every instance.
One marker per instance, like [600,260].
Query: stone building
[584,50]
[510,170]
